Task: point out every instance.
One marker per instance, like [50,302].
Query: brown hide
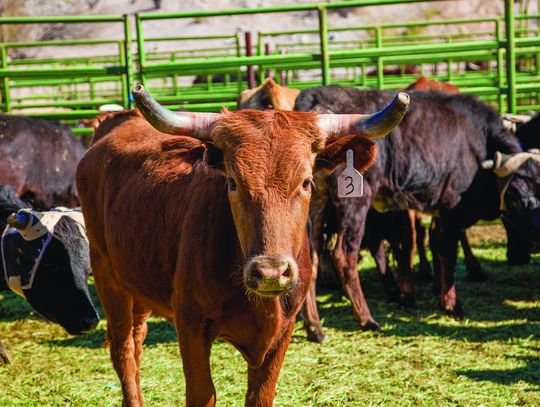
[164,240]
[38,160]
[423,83]
[269,95]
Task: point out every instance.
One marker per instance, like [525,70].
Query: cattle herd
[218,221]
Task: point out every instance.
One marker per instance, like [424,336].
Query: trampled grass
[421,358]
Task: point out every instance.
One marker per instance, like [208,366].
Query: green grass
[420,359]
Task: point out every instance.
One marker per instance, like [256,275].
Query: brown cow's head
[268,158]
[269,95]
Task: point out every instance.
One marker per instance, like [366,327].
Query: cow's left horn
[198,125]
[369,126]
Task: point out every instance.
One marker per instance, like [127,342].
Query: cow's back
[135,181]
[432,157]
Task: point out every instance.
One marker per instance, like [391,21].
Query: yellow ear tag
[350,182]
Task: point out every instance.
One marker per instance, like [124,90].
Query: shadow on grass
[530,373]
[159,332]
[507,302]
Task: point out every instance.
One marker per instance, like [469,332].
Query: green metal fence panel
[81,84]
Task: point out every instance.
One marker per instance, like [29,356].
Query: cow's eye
[306,185]
[232,184]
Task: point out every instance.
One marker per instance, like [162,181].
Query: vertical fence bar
[239,79]
[123,76]
[500,66]
[510,55]
[128,62]
[140,48]
[282,73]
[268,72]
[323,36]
[5,80]
[380,66]
[259,53]
[249,53]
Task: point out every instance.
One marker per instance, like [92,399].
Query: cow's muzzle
[270,276]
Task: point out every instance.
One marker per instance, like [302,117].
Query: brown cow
[269,95]
[219,249]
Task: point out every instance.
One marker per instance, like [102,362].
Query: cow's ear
[335,153]
[214,157]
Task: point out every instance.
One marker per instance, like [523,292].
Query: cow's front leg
[195,350]
[118,306]
[405,249]
[447,238]
[262,380]
[310,312]
[378,253]
[424,268]
[140,329]
[346,262]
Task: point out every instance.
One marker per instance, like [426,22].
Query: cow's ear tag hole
[350,182]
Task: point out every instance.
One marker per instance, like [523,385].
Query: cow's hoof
[477,276]
[455,312]
[316,336]
[407,300]
[370,325]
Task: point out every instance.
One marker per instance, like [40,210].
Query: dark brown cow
[219,249]
[38,159]
[474,269]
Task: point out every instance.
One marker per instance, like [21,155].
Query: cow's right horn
[369,126]
[198,125]
[505,164]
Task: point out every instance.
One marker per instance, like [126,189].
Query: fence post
[510,55]
[140,47]
[5,80]
[323,35]
[500,65]
[239,79]
[128,63]
[249,52]
[380,65]
[259,53]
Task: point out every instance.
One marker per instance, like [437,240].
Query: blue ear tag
[350,181]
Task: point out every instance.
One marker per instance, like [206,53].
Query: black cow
[432,163]
[38,159]
[51,268]
[529,133]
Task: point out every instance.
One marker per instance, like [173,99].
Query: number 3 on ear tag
[350,181]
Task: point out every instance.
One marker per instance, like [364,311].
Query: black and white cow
[45,259]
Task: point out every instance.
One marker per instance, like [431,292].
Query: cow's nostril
[288,272]
[256,272]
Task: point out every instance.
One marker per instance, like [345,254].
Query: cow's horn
[197,125]
[17,220]
[517,118]
[488,164]
[506,164]
[369,126]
